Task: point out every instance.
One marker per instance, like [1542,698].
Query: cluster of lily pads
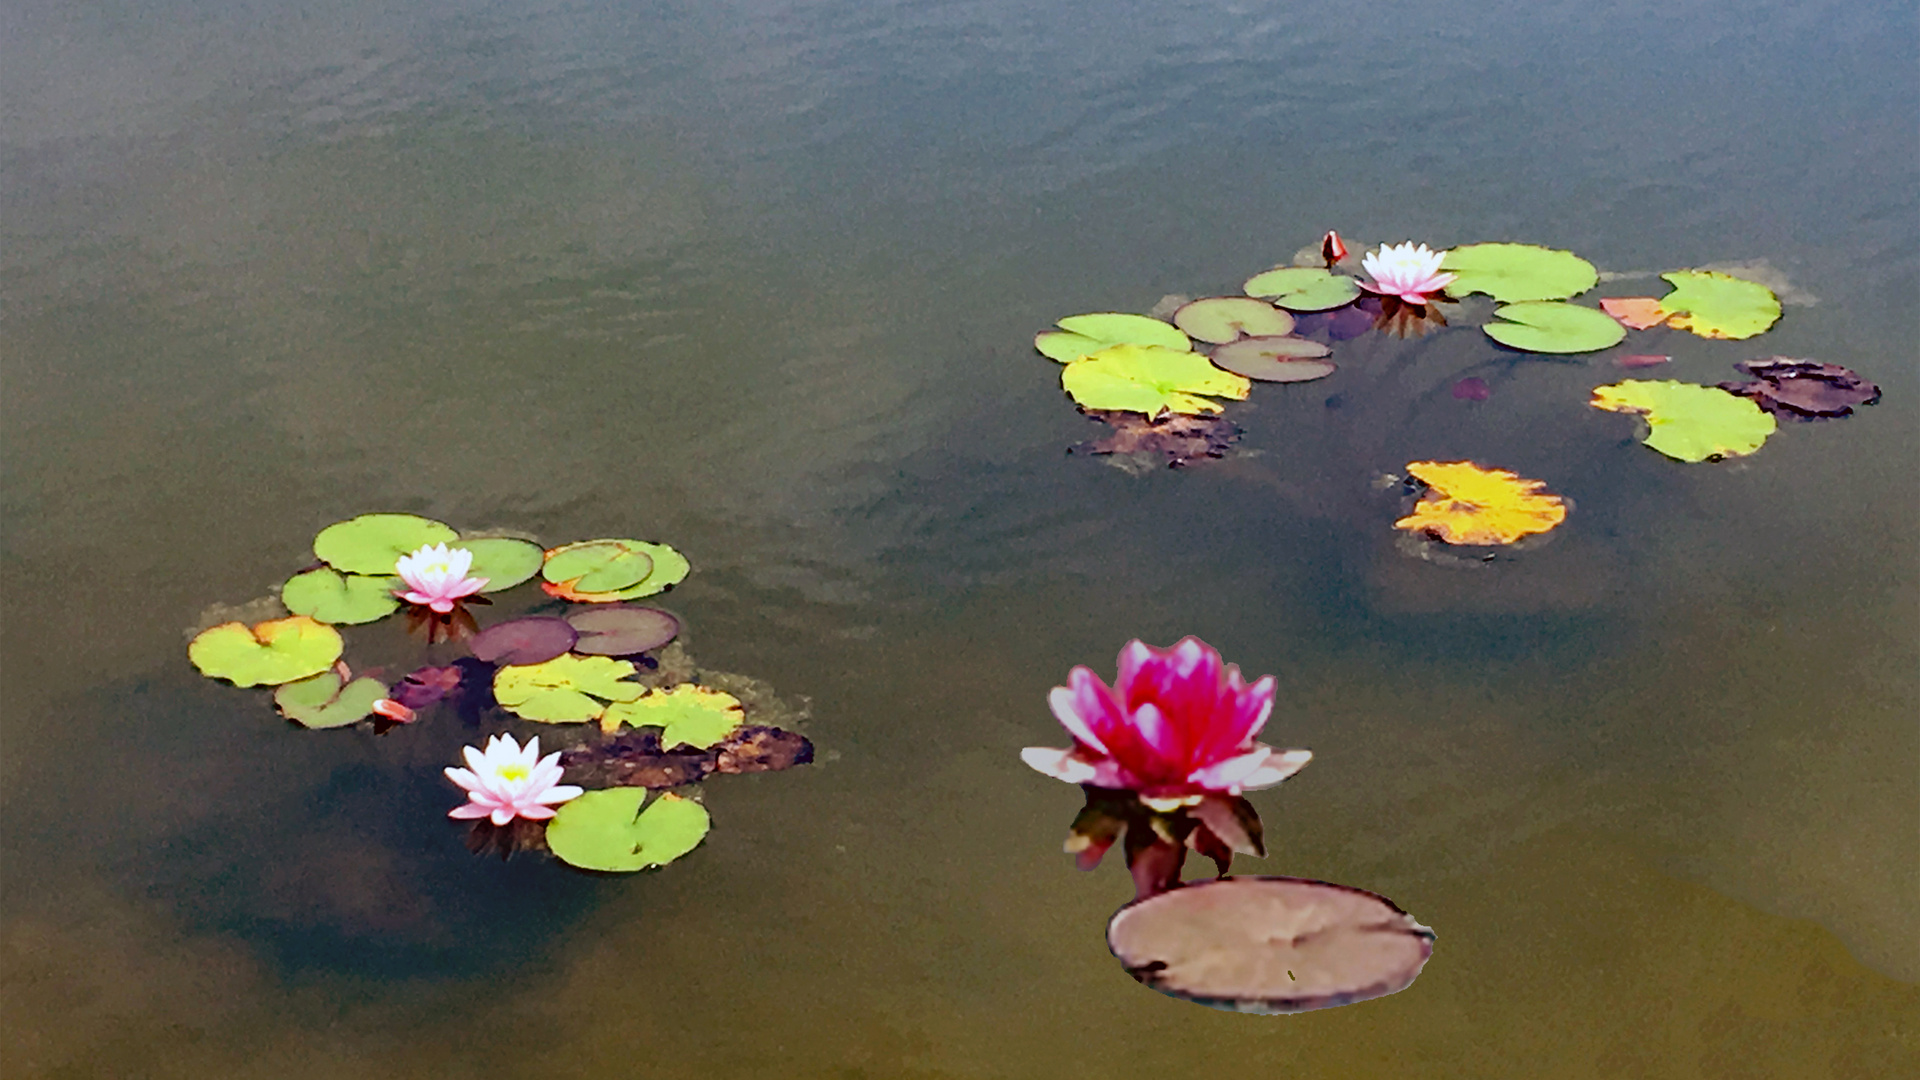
[1159,382]
[645,718]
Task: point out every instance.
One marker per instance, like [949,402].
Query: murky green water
[759,280]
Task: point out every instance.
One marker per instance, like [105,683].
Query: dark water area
[760,280]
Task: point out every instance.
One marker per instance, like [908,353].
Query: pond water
[760,280]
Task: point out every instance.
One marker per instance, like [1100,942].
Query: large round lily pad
[670,568]
[340,599]
[1146,379]
[1715,305]
[273,652]
[1303,288]
[1275,359]
[597,566]
[373,543]
[565,690]
[1269,944]
[1220,319]
[503,560]
[622,630]
[1687,421]
[1082,335]
[523,642]
[1554,327]
[321,702]
[607,830]
[1514,273]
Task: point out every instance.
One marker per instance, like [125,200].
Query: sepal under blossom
[507,780]
[436,576]
[1402,270]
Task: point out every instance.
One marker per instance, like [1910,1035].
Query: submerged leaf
[321,702]
[1514,273]
[567,689]
[273,652]
[1803,389]
[1689,422]
[1180,439]
[340,599]
[373,543]
[1220,319]
[1554,327]
[607,830]
[1303,288]
[1719,305]
[690,715]
[1148,379]
[1082,335]
[1466,504]
[636,758]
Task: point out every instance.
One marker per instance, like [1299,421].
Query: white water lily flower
[506,781]
[437,576]
[1405,271]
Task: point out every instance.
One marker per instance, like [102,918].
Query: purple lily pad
[534,639]
[1803,389]
[426,686]
[1471,389]
[1275,359]
[1342,323]
[622,630]
[1640,360]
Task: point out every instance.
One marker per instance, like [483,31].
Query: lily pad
[597,566]
[1220,319]
[1303,288]
[270,653]
[1343,323]
[503,560]
[321,702]
[1514,273]
[1803,389]
[670,568]
[1553,327]
[340,599]
[1689,422]
[1269,944]
[1275,359]
[373,543]
[523,642]
[607,830]
[622,630]
[1720,306]
[1081,335]
[1635,312]
[1148,379]
[565,690]
[1180,440]
[691,715]
[636,758]
[1467,504]
[427,686]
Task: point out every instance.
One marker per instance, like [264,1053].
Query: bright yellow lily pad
[1150,379]
[1466,504]
[1715,305]
[690,714]
[1687,421]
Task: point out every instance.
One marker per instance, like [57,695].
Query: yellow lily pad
[1150,379]
[691,715]
[1466,504]
[1687,421]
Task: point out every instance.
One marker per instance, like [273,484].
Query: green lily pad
[568,689]
[607,830]
[1720,306]
[320,702]
[1514,273]
[1303,288]
[1547,326]
[1687,421]
[1220,319]
[597,566]
[1084,334]
[670,568]
[273,652]
[1148,379]
[373,543]
[503,560]
[340,599]
[691,715]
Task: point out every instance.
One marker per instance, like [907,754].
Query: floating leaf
[1635,312]
[1269,944]
[1553,327]
[1086,334]
[607,830]
[1219,319]
[622,630]
[565,690]
[1641,360]
[1720,306]
[1514,273]
[1803,389]
[1303,288]
[1689,422]
[340,599]
[669,569]
[534,639]
[503,560]
[320,702]
[1180,439]
[1466,504]
[1275,359]
[273,652]
[1342,323]
[1147,379]
[597,566]
[636,758]
[373,543]
[427,686]
[691,715]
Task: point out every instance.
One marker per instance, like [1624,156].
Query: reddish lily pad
[534,639]
[1803,389]
[1275,359]
[426,686]
[1179,438]
[1220,319]
[1641,360]
[622,629]
[1342,323]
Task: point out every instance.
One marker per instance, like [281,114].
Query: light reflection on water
[759,280]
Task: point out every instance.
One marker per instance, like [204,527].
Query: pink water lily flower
[1405,271]
[1176,724]
[437,576]
[506,781]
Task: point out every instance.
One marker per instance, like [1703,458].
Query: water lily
[1332,248]
[507,780]
[437,576]
[1405,271]
[1177,725]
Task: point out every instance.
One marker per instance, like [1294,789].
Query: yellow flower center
[513,772]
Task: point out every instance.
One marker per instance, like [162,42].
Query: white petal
[1282,764]
[1059,764]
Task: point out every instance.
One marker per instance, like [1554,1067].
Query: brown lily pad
[636,758]
[534,639]
[1180,439]
[1275,359]
[622,629]
[1220,319]
[1269,944]
[1803,389]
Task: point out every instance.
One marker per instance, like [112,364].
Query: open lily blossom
[1177,724]
[507,780]
[437,576]
[1405,271]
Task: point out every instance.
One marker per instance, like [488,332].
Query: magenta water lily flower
[1405,271]
[1176,725]
[437,576]
[507,780]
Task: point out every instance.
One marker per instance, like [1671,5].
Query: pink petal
[462,777]
[1061,701]
[536,813]
[1282,764]
[468,810]
[1159,735]
[503,815]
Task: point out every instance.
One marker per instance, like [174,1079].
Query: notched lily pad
[1467,504]
[637,759]
[669,569]
[534,639]
[1269,944]
[689,715]
[1148,380]
[1515,273]
[1553,327]
[597,566]
[1083,335]
[373,543]
[427,686]
[321,702]
[1220,319]
[1715,305]
[567,689]
[267,654]
[341,599]
[1275,359]
[622,630]
[1303,288]
[607,830]
[1180,439]
[503,560]
[1803,389]
[1689,422]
